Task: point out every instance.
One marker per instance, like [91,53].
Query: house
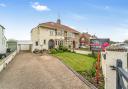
[2,40]
[52,34]
[85,39]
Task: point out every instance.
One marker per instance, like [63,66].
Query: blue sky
[104,18]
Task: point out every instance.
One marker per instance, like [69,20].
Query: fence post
[118,64]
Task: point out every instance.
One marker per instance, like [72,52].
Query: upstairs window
[52,32]
[59,33]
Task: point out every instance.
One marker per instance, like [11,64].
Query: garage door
[24,47]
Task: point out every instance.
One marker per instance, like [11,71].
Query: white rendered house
[52,34]
[2,40]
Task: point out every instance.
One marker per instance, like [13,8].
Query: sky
[103,18]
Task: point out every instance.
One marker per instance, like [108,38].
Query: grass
[78,62]
[83,64]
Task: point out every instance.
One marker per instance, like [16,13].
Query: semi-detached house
[52,34]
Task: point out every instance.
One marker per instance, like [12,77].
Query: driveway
[31,71]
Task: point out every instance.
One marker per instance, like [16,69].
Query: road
[31,71]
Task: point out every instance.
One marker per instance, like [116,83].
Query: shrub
[69,46]
[36,51]
[60,51]
[64,49]
[53,51]
[60,47]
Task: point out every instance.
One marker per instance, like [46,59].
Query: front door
[74,44]
[51,44]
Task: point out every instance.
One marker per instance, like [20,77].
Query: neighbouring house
[12,45]
[24,45]
[85,39]
[52,34]
[2,40]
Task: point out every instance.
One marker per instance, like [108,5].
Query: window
[59,33]
[61,42]
[36,43]
[69,34]
[62,32]
[44,41]
[52,32]
[56,42]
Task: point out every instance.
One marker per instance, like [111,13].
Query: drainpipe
[38,36]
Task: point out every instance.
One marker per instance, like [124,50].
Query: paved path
[30,71]
[83,52]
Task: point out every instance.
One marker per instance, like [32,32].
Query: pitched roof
[58,26]
[85,35]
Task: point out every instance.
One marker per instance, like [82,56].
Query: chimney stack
[58,21]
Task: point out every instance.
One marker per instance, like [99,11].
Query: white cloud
[106,7]
[2,5]
[39,7]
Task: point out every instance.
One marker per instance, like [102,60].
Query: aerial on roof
[54,25]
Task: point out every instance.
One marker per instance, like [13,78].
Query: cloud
[2,5]
[39,7]
[106,7]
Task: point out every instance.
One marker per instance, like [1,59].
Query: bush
[64,49]
[69,46]
[89,74]
[60,51]
[53,51]
[36,51]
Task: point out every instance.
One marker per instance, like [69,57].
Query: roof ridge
[56,25]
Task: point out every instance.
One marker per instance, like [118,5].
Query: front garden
[82,64]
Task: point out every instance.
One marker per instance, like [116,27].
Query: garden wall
[110,60]
[6,60]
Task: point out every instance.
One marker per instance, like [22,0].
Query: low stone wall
[6,60]
[110,60]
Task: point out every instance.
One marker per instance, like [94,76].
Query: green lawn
[78,62]
[83,64]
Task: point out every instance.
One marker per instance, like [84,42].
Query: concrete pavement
[31,71]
